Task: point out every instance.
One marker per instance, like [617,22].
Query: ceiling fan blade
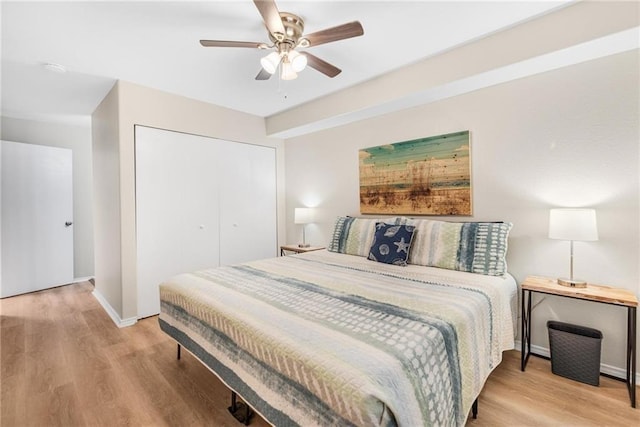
[263,75]
[341,32]
[323,66]
[225,43]
[271,17]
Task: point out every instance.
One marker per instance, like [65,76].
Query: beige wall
[149,107]
[77,137]
[106,197]
[562,138]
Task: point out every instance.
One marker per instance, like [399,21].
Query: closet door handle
[68,223]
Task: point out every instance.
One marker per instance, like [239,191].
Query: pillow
[391,243]
[353,236]
[475,247]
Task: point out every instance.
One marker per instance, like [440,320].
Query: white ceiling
[155,44]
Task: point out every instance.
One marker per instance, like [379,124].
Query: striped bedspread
[333,339]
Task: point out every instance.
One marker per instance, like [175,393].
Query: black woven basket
[575,351]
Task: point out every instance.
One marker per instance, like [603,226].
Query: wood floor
[64,363]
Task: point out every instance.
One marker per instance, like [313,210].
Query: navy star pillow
[391,243]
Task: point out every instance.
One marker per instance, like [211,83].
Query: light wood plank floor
[64,363]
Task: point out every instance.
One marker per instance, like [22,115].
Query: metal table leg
[525,335]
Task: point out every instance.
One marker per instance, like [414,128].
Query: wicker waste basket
[575,351]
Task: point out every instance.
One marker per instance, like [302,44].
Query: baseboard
[604,368]
[120,323]
[82,279]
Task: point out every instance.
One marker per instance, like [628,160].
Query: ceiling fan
[286,34]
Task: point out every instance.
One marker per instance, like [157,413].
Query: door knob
[68,223]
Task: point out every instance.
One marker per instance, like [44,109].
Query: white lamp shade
[288,73]
[270,62]
[303,216]
[298,61]
[573,224]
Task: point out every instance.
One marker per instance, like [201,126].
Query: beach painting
[426,176]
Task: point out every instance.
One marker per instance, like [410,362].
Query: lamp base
[303,245]
[572,283]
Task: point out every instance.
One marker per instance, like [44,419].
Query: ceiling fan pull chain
[281,83]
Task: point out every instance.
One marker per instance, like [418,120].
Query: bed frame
[243,413]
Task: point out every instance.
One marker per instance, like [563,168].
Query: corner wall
[106,208]
[563,138]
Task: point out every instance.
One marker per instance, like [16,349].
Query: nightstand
[594,293]
[297,249]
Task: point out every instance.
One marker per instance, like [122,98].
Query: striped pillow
[353,236]
[476,247]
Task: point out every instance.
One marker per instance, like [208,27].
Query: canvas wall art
[426,176]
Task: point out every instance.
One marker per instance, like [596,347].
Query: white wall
[128,105]
[77,137]
[564,138]
[106,196]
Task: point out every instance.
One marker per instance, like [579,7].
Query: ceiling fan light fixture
[270,62]
[286,33]
[298,61]
[288,73]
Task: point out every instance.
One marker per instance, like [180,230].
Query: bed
[334,338]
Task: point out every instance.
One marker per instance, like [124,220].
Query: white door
[248,225]
[37,217]
[176,209]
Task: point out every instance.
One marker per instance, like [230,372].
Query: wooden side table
[297,249]
[595,293]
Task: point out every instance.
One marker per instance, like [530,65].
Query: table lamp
[303,216]
[573,224]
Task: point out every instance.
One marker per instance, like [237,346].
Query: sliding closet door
[247,202]
[176,209]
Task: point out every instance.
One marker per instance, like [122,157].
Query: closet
[200,202]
